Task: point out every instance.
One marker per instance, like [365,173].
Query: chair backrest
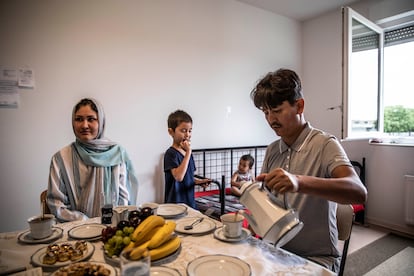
[344,221]
[359,209]
[360,169]
[43,196]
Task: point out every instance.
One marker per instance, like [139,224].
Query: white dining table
[263,258]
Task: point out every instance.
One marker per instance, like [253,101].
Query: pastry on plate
[53,248]
[76,254]
[81,245]
[50,258]
[63,256]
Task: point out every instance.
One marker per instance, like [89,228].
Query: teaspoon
[189,227]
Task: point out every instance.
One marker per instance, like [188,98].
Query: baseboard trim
[393,228]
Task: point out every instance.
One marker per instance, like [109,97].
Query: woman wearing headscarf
[90,172]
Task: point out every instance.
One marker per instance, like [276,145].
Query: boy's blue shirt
[178,192]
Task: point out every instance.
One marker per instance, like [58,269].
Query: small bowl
[41,227]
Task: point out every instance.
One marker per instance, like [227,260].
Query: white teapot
[269,217]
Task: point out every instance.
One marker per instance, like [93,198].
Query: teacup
[41,227]
[232,225]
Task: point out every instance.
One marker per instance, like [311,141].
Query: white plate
[37,257]
[171,210]
[164,271]
[218,265]
[204,227]
[87,231]
[219,234]
[112,271]
[26,237]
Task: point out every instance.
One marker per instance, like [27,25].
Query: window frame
[348,16]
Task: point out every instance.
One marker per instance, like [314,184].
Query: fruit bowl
[154,233]
[115,260]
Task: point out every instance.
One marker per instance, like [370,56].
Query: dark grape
[108,232]
[134,221]
[133,214]
[146,212]
[104,235]
[122,224]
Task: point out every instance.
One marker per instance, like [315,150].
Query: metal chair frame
[360,169]
[344,221]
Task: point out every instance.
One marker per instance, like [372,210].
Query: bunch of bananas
[156,235]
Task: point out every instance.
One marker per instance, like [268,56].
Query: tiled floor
[363,235]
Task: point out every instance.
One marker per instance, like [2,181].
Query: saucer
[219,234]
[26,237]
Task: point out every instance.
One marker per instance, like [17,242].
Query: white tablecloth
[262,258]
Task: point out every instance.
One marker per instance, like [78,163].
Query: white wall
[142,60]
[322,77]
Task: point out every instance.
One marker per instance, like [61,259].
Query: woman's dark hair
[84,102]
[277,87]
[177,117]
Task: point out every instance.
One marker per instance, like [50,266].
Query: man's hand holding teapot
[279,181]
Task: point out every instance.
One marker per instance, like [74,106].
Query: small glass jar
[106,214]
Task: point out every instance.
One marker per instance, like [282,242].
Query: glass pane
[363,85]
[398,92]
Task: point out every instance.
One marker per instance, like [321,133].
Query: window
[378,89]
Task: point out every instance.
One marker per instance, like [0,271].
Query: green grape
[115,244]
[126,240]
[111,252]
[118,240]
[111,241]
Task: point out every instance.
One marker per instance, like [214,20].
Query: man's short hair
[277,87]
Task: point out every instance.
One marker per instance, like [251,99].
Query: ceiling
[300,10]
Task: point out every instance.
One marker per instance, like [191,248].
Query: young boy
[242,174]
[179,166]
